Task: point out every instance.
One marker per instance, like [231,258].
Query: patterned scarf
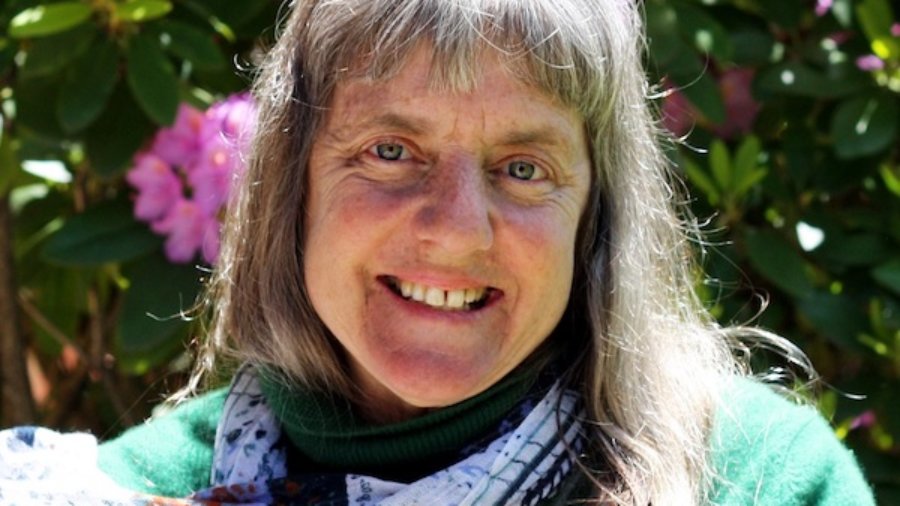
[532,453]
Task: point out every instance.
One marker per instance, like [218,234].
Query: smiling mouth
[469,299]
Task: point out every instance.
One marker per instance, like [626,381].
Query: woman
[455,276]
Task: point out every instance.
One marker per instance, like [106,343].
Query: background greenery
[790,147]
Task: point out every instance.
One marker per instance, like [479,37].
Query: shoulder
[767,450]
[170,455]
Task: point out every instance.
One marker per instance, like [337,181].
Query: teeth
[435,297]
[456,298]
[418,293]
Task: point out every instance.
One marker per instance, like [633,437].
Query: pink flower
[203,149]
[869,63]
[823,6]
[210,246]
[157,185]
[678,115]
[232,118]
[740,106]
[212,177]
[180,144]
[186,225]
[865,420]
[895,29]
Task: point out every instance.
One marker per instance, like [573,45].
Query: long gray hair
[653,357]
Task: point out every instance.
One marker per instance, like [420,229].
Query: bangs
[554,47]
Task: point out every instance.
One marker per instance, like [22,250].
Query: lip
[440,280]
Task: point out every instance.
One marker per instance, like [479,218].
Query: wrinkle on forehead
[448,75]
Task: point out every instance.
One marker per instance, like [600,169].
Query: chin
[424,380]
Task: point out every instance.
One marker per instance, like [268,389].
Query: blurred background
[122,127]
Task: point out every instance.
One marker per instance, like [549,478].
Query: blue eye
[390,151]
[522,170]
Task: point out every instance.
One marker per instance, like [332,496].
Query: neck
[380,406]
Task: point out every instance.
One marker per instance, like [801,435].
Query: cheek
[542,241]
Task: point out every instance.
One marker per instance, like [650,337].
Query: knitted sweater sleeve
[168,456]
[769,451]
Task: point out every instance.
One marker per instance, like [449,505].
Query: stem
[16,403]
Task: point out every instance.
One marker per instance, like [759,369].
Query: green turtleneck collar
[332,437]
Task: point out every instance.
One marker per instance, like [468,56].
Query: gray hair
[654,357]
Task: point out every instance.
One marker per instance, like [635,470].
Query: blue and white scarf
[524,464]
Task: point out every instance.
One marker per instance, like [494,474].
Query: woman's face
[441,230]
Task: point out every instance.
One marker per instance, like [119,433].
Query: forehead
[414,94]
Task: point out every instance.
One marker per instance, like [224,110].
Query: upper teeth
[436,297]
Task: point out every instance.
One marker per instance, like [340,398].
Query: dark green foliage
[815,229]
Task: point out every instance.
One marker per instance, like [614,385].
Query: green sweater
[765,450]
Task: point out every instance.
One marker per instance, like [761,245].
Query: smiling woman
[456,275]
[431,194]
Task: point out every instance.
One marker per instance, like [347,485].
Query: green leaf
[864,125]
[231,14]
[88,85]
[48,19]
[159,293]
[51,54]
[778,261]
[888,275]
[786,14]
[749,180]
[152,79]
[798,79]
[105,233]
[34,113]
[139,11]
[706,34]
[837,317]
[699,178]
[746,173]
[752,47]
[112,140]
[705,95]
[193,45]
[854,249]
[875,17]
[720,164]
[662,34]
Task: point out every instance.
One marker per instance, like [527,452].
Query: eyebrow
[541,136]
[389,120]
[545,136]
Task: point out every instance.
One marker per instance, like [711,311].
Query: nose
[455,217]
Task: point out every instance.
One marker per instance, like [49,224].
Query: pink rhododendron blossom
[212,176]
[895,29]
[209,248]
[186,226]
[678,115]
[180,144]
[183,180]
[869,63]
[740,106]
[823,6]
[158,187]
